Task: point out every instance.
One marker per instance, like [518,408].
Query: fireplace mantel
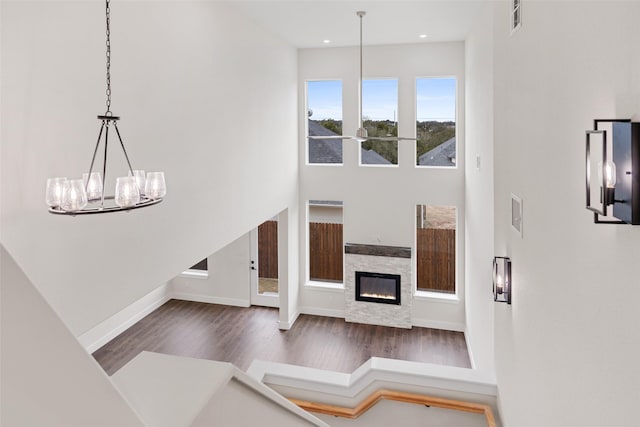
[377,250]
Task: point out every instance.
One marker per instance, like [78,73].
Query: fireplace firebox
[378,287]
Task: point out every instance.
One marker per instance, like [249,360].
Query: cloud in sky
[380,99]
[435,99]
[324,98]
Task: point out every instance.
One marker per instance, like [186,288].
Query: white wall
[379,203]
[47,377]
[479,191]
[228,280]
[204,94]
[567,349]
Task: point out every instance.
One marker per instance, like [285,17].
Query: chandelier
[86,195]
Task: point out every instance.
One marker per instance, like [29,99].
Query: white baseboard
[110,328]
[105,331]
[236,302]
[326,312]
[285,326]
[438,324]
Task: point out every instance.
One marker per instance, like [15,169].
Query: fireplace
[392,280]
[378,287]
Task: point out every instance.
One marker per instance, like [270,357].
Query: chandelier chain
[108,44]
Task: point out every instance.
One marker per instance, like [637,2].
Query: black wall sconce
[613,172]
[502,279]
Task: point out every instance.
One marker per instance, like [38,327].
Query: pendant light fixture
[86,196]
[361,133]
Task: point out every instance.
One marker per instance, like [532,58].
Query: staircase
[48,379]
[383,390]
[174,391]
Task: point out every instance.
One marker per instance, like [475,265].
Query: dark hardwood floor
[240,335]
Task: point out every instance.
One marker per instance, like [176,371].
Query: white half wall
[379,202]
[47,377]
[567,349]
[204,94]
[227,281]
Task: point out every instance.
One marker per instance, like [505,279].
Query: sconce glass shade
[608,171]
[502,279]
[74,196]
[55,187]
[596,183]
[140,180]
[155,187]
[127,193]
[93,185]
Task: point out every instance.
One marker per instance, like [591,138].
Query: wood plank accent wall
[418,399]
[436,252]
[436,255]
[268,250]
[325,251]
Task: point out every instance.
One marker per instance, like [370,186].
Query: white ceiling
[306,23]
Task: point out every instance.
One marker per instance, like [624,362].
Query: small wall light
[502,279]
[614,189]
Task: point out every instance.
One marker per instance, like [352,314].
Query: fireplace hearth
[378,287]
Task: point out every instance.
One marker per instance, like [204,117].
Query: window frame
[196,273]
[433,295]
[306,121]
[455,166]
[375,165]
[329,285]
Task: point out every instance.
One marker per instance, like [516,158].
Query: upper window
[436,121]
[324,111]
[379,111]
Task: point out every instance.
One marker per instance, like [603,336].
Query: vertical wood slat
[326,251]
[436,254]
[268,250]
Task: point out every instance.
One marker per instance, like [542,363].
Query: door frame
[268,299]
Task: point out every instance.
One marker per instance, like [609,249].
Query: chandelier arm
[126,156]
[104,164]
[93,159]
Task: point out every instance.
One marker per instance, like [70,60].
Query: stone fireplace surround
[378,259]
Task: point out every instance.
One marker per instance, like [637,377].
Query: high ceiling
[307,23]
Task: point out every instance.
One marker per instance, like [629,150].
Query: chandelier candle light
[86,196]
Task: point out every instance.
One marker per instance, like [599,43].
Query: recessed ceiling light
[326,41]
[423,36]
